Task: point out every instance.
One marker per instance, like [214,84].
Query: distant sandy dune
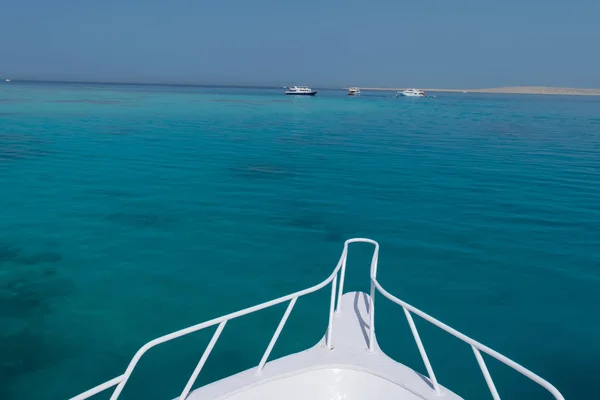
[514,90]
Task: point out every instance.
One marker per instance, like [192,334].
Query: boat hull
[350,371]
[302,94]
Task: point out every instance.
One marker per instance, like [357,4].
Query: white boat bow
[301,91]
[347,363]
[412,93]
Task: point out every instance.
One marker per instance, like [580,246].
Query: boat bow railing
[477,347]
[336,295]
[121,380]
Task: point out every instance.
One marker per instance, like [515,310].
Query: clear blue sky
[424,43]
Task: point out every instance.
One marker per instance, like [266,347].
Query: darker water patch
[16,255]
[26,298]
[334,236]
[250,102]
[320,140]
[13,101]
[114,193]
[12,154]
[26,351]
[20,298]
[306,221]
[41,258]
[262,171]
[10,113]
[124,131]
[315,223]
[234,101]
[85,101]
[498,297]
[118,130]
[18,146]
[9,253]
[8,137]
[142,219]
[572,374]
[25,294]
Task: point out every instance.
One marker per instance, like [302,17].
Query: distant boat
[301,91]
[7,80]
[353,91]
[412,93]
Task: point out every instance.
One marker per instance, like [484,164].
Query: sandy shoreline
[511,90]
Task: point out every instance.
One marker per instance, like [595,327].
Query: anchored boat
[347,363]
[301,91]
[353,91]
[412,93]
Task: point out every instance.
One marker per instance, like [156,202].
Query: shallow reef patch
[142,219]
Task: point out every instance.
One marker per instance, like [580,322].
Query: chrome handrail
[475,345]
[340,268]
[121,380]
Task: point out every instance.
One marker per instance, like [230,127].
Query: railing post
[211,344]
[373,273]
[331,311]
[342,276]
[413,328]
[486,373]
[372,319]
[265,356]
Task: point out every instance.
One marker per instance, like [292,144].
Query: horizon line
[497,89]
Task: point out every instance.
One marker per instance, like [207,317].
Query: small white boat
[412,93]
[7,80]
[301,91]
[353,91]
[347,363]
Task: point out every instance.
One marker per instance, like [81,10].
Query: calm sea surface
[127,212]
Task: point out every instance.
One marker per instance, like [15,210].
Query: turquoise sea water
[127,212]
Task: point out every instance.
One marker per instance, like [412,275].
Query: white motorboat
[353,91]
[301,91]
[412,93]
[347,363]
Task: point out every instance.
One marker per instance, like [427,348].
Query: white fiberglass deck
[347,363]
[347,370]
[326,384]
